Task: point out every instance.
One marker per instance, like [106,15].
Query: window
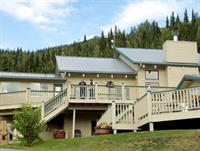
[10,86]
[151,75]
[127,93]
[38,87]
[115,93]
[154,86]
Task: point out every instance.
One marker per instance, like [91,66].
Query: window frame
[146,78]
[5,83]
[152,83]
[38,94]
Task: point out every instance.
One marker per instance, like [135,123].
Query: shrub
[28,123]
[104,125]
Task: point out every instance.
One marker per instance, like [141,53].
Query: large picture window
[151,75]
[10,87]
[38,87]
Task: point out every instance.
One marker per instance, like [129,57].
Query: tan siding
[175,74]
[180,51]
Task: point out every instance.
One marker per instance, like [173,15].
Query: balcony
[76,94]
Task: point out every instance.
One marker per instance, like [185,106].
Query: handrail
[44,91]
[12,92]
[124,112]
[176,89]
[55,101]
[176,101]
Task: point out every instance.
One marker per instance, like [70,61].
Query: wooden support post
[28,94]
[114,131]
[131,113]
[96,91]
[123,92]
[149,106]
[42,111]
[68,91]
[114,117]
[151,127]
[73,122]
[0,100]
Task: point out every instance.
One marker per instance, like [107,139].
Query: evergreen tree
[172,21]
[167,22]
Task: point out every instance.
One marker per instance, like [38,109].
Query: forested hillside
[145,35]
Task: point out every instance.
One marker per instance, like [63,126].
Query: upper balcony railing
[78,93]
[115,92]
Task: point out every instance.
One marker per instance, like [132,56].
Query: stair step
[56,111]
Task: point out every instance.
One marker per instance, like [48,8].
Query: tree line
[145,35]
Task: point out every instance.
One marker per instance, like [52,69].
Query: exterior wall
[141,79]
[102,80]
[175,74]
[83,122]
[21,97]
[52,126]
[180,51]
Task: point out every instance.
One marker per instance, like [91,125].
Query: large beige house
[134,90]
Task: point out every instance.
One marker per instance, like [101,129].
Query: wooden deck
[167,106]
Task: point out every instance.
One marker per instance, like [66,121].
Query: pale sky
[35,24]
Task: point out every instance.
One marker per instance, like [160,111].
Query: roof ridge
[26,72]
[87,57]
[152,49]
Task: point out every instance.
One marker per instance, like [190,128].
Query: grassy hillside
[187,140]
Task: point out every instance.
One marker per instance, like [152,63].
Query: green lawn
[179,140]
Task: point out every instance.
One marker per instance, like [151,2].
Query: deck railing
[118,113]
[54,102]
[12,98]
[34,97]
[141,108]
[82,92]
[109,93]
[169,101]
[124,113]
[175,101]
[115,92]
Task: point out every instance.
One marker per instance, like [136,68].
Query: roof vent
[175,33]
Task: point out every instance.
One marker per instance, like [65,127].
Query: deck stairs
[54,106]
[119,116]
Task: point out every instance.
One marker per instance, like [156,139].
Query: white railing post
[131,113]
[28,94]
[42,111]
[114,117]
[149,107]
[73,122]
[68,91]
[0,98]
[96,91]
[123,92]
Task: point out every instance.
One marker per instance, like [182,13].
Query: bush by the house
[28,123]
